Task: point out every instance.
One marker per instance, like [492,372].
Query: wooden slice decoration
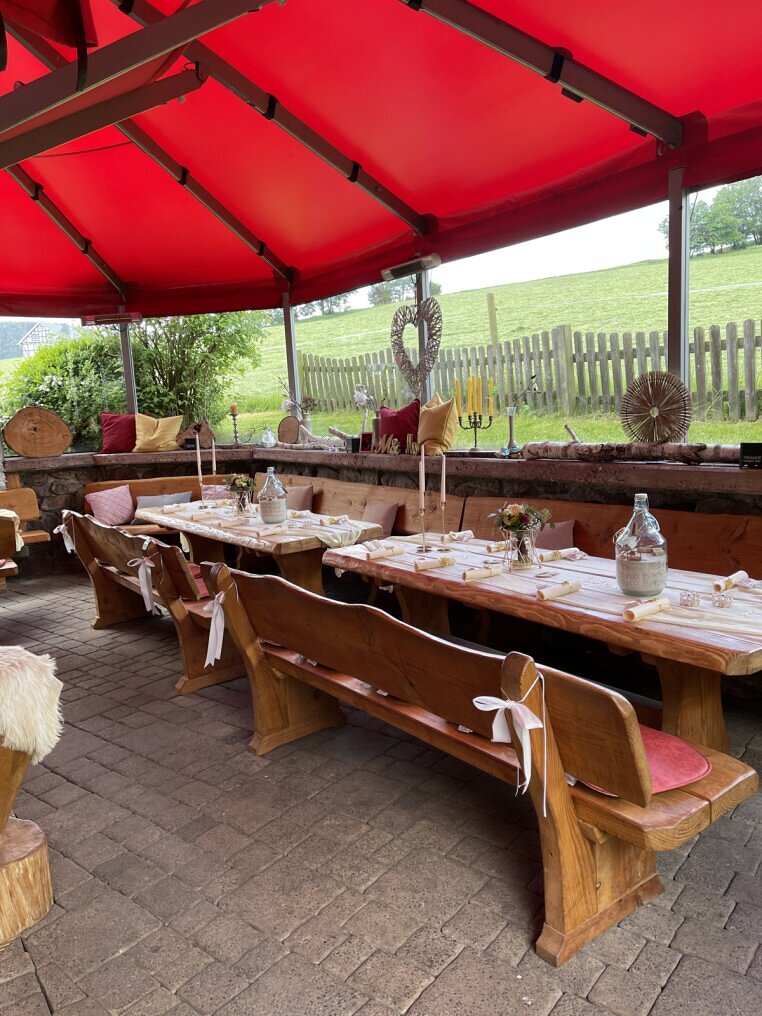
[37,433]
[288,430]
[656,407]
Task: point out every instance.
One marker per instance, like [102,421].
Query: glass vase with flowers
[241,486]
[519,525]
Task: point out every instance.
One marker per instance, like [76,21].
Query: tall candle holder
[234,418]
[475,423]
[442,506]
[422,548]
[511,448]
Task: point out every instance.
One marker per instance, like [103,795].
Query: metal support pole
[423,292]
[677,285]
[289,323]
[129,367]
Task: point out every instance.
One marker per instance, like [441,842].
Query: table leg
[691,702]
[424,610]
[204,549]
[304,569]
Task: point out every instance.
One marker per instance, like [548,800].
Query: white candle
[214,459]
[442,489]
[198,463]
[422,480]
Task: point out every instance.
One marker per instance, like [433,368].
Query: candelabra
[475,423]
[234,418]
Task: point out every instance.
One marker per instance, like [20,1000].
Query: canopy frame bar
[36,192]
[111,62]
[292,355]
[49,55]
[103,114]
[555,65]
[263,102]
[678,275]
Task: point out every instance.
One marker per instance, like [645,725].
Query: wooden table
[298,551]
[691,649]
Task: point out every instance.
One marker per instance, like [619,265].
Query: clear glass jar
[641,553]
[272,498]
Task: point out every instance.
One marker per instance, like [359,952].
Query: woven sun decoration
[431,313]
[656,407]
[30,725]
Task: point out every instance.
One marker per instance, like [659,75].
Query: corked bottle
[641,553]
[272,499]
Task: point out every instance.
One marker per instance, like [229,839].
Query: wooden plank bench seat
[23,501]
[304,654]
[109,557]
[152,486]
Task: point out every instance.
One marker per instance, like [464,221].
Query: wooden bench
[719,544]
[23,501]
[8,567]
[109,557]
[341,497]
[304,654]
[153,486]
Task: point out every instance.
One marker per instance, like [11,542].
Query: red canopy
[332,139]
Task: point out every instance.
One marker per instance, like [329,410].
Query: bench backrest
[7,538]
[21,500]
[717,544]
[94,541]
[341,497]
[157,485]
[595,729]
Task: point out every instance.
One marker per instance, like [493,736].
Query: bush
[75,379]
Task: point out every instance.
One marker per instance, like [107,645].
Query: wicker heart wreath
[430,312]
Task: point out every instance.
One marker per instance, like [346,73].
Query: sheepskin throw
[30,715]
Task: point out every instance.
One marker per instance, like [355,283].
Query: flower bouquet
[241,486]
[519,525]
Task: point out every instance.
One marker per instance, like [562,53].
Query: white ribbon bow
[216,629]
[68,542]
[524,720]
[143,564]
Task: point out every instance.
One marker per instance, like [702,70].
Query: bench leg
[114,604]
[619,879]
[286,709]
[193,645]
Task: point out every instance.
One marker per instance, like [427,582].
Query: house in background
[42,335]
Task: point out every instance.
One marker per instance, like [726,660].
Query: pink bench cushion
[113,506]
[673,762]
[196,573]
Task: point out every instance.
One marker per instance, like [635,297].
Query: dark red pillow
[118,433]
[401,422]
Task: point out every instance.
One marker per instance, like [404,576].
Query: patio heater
[124,319]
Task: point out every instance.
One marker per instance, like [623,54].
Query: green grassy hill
[724,287]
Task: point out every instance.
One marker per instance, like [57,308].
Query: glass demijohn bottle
[272,498]
[641,553]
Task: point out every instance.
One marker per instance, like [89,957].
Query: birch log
[691,454]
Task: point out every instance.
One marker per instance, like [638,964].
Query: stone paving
[356,871]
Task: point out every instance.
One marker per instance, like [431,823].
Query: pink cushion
[382,514]
[117,433]
[400,422]
[214,492]
[559,537]
[673,762]
[112,507]
[196,573]
[299,499]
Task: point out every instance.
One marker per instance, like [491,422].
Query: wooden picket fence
[574,373]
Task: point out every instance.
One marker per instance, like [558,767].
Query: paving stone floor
[356,871]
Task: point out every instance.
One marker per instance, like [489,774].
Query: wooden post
[289,323]
[677,279]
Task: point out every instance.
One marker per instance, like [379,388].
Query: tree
[722,225]
[745,200]
[397,291]
[328,305]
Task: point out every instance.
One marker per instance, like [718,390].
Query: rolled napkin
[497,548]
[720,585]
[272,530]
[375,555]
[211,517]
[427,563]
[474,574]
[558,555]
[334,520]
[302,514]
[641,610]
[462,537]
[562,589]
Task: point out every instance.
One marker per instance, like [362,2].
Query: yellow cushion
[156,435]
[438,425]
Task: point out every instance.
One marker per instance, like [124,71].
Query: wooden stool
[26,890]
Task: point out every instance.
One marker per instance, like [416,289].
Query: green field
[724,287]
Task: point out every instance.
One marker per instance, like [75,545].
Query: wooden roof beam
[557,66]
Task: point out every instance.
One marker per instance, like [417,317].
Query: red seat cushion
[117,433]
[401,422]
[196,573]
[674,763]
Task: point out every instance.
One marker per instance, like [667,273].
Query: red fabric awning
[464,142]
